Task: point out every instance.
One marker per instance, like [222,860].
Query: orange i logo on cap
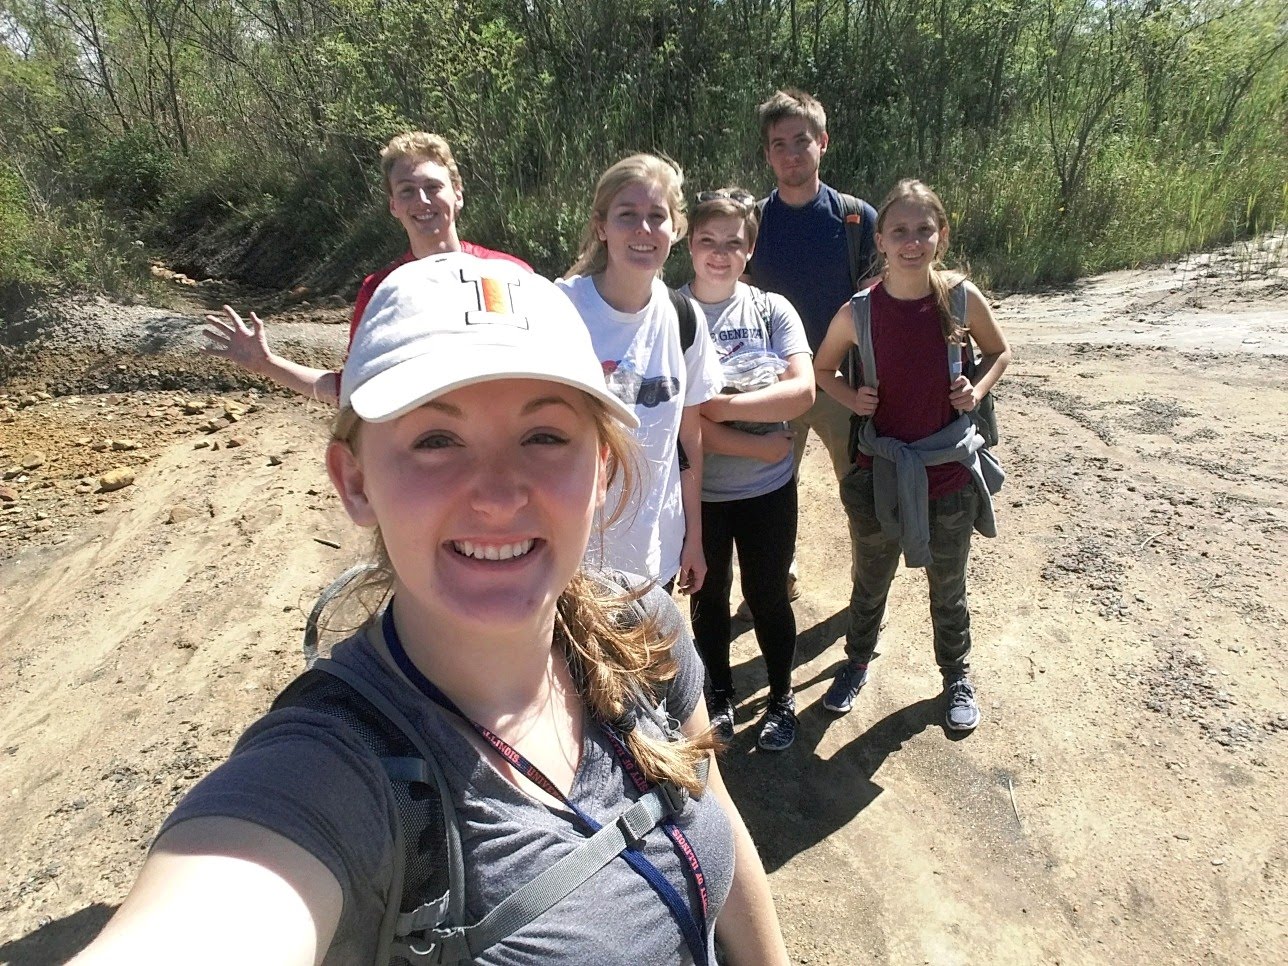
[495,297]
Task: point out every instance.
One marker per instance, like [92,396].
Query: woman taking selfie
[477,438]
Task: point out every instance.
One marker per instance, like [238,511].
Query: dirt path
[1122,802]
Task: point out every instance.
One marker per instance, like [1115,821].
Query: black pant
[764,530]
[952,520]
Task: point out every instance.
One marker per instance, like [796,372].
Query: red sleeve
[360,301]
[478,251]
[368,288]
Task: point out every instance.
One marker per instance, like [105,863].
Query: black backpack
[423,922]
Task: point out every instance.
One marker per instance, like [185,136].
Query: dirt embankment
[1122,802]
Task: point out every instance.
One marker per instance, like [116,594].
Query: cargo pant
[876,558]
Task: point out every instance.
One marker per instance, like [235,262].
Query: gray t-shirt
[302,775]
[750,320]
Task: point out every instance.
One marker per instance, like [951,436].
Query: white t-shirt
[646,368]
[749,321]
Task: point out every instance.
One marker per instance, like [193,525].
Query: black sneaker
[720,711]
[963,711]
[845,687]
[778,726]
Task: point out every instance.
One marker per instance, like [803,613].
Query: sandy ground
[1122,802]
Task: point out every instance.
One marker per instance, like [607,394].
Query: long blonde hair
[592,257]
[619,653]
[918,193]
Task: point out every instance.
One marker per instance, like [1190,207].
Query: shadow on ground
[57,941]
[793,800]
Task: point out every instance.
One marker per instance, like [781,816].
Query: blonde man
[423,186]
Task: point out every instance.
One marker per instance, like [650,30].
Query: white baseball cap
[453,320]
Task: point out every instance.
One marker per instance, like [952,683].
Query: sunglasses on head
[737,195]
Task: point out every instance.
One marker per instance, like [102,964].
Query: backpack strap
[559,880]
[686,316]
[688,320]
[860,238]
[324,600]
[761,301]
[957,308]
[397,935]
[861,309]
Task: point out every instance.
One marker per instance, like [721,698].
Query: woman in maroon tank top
[921,398]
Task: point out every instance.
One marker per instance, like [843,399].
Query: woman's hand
[962,395]
[693,567]
[865,401]
[776,445]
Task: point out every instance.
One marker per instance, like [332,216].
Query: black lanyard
[692,926]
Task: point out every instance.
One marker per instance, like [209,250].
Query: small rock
[124,445]
[116,479]
[8,494]
[100,507]
[181,512]
[214,426]
[83,441]
[235,441]
[101,446]
[34,462]
[201,444]
[84,488]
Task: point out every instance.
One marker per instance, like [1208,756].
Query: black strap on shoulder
[860,238]
[686,316]
[761,301]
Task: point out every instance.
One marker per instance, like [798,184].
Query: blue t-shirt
[801,253]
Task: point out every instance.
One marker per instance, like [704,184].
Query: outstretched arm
[243,894]
[831,354]
[748,927]
[231,337]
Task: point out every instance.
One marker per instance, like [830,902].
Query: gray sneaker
[778,727]
[720,711]
[963,711]
[845,687]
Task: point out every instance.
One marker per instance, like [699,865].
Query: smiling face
[720,252]
[485,498]
[794,150]
[637,229]
[422,198]
[910,237]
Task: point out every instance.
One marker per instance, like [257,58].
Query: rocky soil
[165,522]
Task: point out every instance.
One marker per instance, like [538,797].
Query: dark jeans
[952,520]
[764,530]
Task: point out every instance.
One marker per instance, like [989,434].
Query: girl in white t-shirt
[636,216]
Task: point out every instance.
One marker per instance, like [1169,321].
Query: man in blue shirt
[802,251]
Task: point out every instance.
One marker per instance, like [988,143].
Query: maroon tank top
[912,368]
